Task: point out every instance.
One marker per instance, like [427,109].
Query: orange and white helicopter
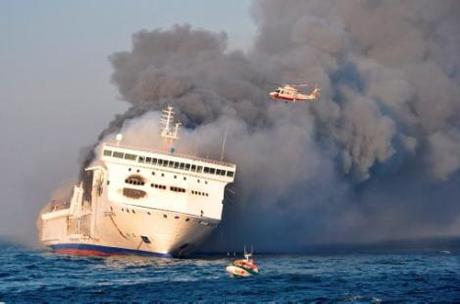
[290,93]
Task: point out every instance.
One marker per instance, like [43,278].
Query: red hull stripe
[81,252]
[97,250]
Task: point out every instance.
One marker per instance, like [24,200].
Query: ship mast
[169,133]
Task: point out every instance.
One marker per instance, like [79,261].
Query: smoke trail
[376,157]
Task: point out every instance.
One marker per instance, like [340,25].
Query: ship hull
[127,230]
[137,202]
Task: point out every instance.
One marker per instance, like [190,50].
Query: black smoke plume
[377,157]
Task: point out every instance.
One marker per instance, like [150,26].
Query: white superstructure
[140,201]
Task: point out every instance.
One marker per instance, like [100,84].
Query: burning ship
[137,201]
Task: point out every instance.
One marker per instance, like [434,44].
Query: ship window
[187,167]
[177,189]
[199,169]
[198,180]
[165,163]
[138,170]
[145,239]
[176,165]
[135,180]
[212,170]
[222,172]
[107,153]
[148,160]
[185,178]
[193,168]
[159,186]
[206,170]
[181,166]
[165,216]
[118,154]
[171,164]
[206,182]
[148,212]
[175,176]
[230,173]
[129,169]
[154,161]
[153,172]
[141,159]
[130,156]
[187,219]
[176,217]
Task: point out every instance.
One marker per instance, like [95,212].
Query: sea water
[30,276]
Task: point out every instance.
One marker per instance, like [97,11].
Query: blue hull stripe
[108,250]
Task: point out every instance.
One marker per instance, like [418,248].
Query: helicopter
[290,93]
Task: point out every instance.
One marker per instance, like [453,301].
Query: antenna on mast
[168,132]
[118,138]
[224,141]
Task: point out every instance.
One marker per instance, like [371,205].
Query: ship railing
[175,154]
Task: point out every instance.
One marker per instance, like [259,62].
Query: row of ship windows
[199,193]
[133,181]
[163,175]
[168,163]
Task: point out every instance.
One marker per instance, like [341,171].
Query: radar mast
[169,129]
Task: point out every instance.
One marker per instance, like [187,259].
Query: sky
[55,81]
